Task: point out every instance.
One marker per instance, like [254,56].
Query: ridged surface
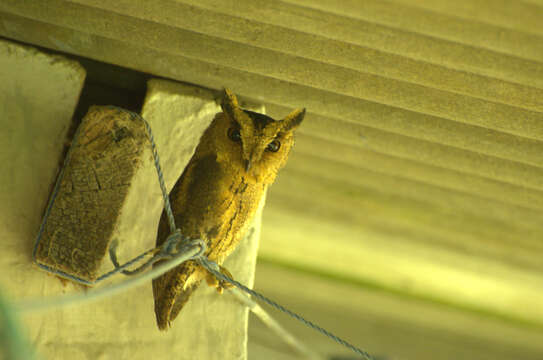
[423,146]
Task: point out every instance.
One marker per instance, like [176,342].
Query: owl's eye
[273,146]
[234,135]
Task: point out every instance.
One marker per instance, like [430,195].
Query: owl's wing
[172,291]
[203,205]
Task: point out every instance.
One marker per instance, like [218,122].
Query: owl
[217,195]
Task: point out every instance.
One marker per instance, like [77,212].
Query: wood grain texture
[92,193]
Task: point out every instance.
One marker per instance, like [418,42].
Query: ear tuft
[293,120]
[229,103]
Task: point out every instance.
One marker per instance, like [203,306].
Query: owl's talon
[220,285]
[212,280]
[224,285]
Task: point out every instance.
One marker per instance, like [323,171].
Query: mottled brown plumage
[218,193]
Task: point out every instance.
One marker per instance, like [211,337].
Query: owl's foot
[219,284]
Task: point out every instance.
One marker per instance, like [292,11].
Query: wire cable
[191,250]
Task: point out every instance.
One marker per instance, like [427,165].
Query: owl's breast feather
[215,203]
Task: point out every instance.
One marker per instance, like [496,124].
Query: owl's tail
[172,291]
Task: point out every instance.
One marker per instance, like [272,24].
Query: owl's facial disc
[257,133]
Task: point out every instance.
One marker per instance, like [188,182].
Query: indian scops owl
[215,198]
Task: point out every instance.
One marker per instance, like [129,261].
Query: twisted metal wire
[214,269]
[187,251]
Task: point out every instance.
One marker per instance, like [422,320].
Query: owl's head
[253,143]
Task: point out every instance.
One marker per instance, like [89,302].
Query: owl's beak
[247,165]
